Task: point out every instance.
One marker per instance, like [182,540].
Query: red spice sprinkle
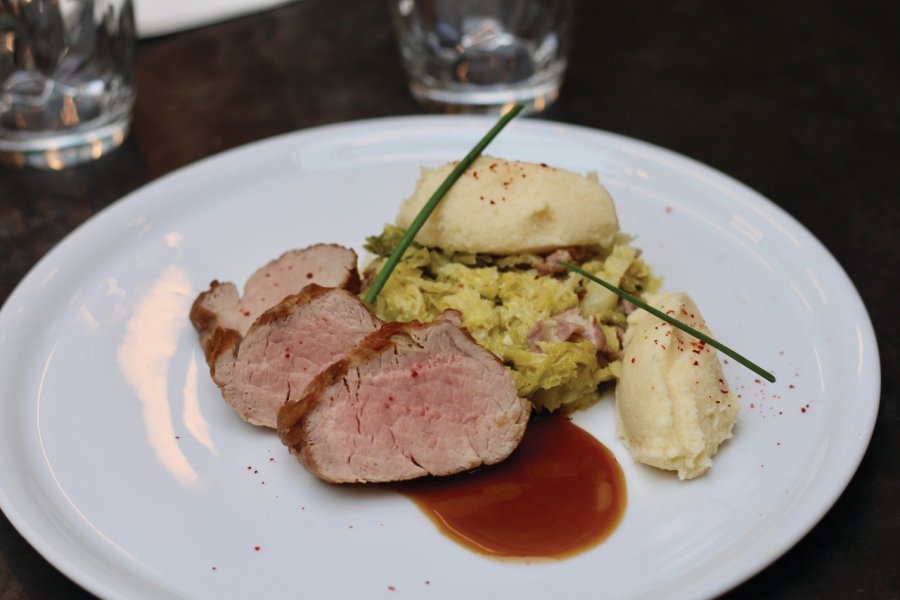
[255,471]
[492,202]
[803,409]
[246,313]
[724,391]
[256,548]
[392,588]
[633,360]
[669,210]
[670,312]
[415,374]
[721,380]
[460,286]
[752,405]
[309,275]
[493,166]
[475,174]
[249,468]
[791,386]
[481,197]
[663,346]
[757,381]
[177,437]
[271,459]
[725,360]
[544,165]
[214,568]
[696,363]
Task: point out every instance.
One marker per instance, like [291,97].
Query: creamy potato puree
[510,207]
[673,404]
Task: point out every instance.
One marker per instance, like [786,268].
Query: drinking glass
[66,80]
[483,55]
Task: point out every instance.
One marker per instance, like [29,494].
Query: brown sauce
[560,493]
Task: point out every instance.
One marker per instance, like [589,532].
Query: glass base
[62,149]
[473,99]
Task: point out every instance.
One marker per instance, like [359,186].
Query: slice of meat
[566,326]
[221,306]
[285,349]
[550,266]
[410,400]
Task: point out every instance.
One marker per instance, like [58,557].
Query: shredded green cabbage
[502,298]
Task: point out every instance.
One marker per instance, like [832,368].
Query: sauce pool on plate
[560,493]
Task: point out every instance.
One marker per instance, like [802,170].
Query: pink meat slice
[286,347]
[567,326]
[329,265]
[410,400]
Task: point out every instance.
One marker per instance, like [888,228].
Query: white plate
[120,463]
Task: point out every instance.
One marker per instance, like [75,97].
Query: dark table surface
[799,100]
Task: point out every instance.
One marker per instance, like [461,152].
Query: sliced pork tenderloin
[285,348]
[410,400]
[221,306]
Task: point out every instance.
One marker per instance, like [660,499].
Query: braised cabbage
[501,299]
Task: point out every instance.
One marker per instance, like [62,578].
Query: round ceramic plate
[121,464]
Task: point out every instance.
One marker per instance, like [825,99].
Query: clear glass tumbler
[66,80]
[483,55]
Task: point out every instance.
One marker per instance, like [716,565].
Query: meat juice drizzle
[560,493]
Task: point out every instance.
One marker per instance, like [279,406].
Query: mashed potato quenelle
[673,404]
[505,207]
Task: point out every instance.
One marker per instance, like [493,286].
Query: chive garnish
[438,195]
[673,321]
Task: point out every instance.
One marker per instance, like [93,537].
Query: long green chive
[668,319]
[438,195]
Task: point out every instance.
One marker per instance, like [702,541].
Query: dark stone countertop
[800,101]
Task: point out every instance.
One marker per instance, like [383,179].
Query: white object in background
[162,17]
